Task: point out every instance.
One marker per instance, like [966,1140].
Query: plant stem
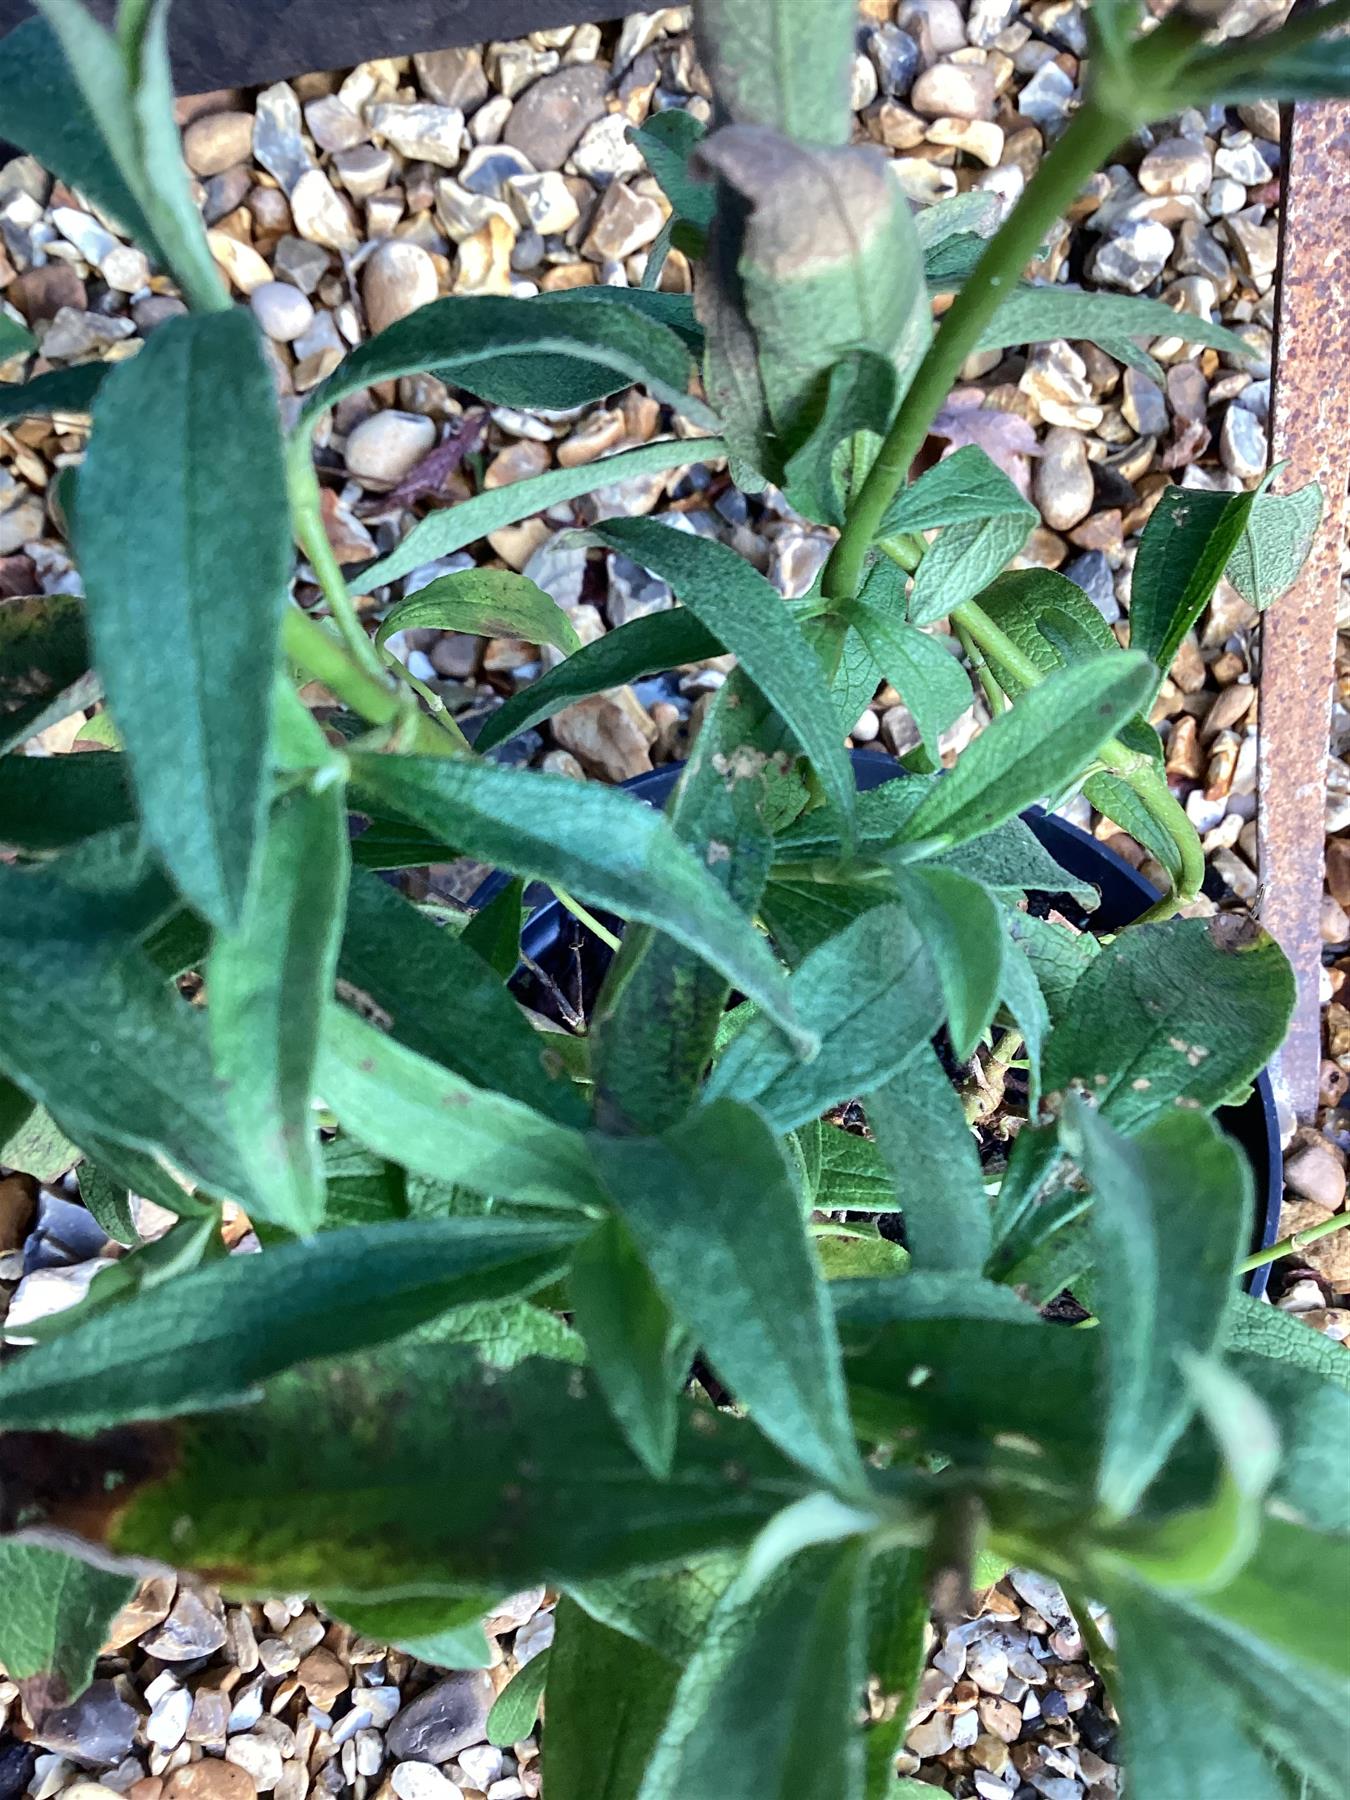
[1296,1241]
[1141,773]
[302,487]
[436,707]
[587,918]
[980,1099]
[1092,134]
[324,659]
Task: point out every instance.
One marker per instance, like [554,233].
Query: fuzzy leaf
[1272,550]
[964,560]
[607,1701]
[1185,549]
[56,1615]
[161,452]
[1038,314]
[962,931]
[713,1209]
[929,680]
[59,391]
[924,1140]
[109,1201]
[448,1634]
[1188,1010]
[787,68]
[487,603]
[1257,1329]
[516,1708]
[667,140]
[965,488]
[208,1338]
[268,984]
[1034,749]
[605,847]
[450,528]
[44,665]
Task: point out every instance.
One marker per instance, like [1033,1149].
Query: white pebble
[386,447]
[282,311]
[423,1781]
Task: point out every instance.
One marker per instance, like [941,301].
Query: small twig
[984,1094]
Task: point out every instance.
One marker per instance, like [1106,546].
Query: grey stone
[282,310]
[447,1718]
[96,1731]
[364,170]
[1134,257]
[633,592]
[1063,481]
[426,131]
[987,19]
[559,568]
[453,77]
[224,193]
[1242,443]
[1144,405]
[302,263]
[1046,97]
[1240,160]
[278,139]
[488,169]
[1092,572]
[543,202]
[192,1629]
[549,118]
[332,125]
[321,214]
[896,57]
[156,310]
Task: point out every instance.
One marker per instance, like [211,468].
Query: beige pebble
[217,142]
[399,278]
[1315,1173]
[210,1779]
[244,268]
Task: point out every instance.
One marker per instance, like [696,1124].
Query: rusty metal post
[1310,428]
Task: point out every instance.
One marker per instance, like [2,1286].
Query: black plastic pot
[551,936]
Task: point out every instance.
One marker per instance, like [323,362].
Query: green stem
[435,705]
[322,658]
[302,487]
[1091,136]
[1296,1241]
[993,693]
[1141,773]
[587,918]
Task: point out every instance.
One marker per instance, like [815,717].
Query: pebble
[1092,572]
[258,1756]
[1134,257]
[1177,165]
[622,223]
[1316,1173]
[334,126]
[399,278]
[281,310]
[549,118]
[321,214]
[1062,485]
[1047,96]
[168,1721]
[96,1731]
[1243,448]
[423,1781]
[278,138]
[192,1629]
[453,77]
[957,90]
[218,141]
[896,57]
[385,447]
[364,170]
[543,202]
[422,131]
[210,1779]
[448,1718]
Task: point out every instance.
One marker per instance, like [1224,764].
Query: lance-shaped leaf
[191,590]
[819,260]
[925,1142]
[962,931]
[768,1703]
[268,985]
[1171,1210]
[452,527]
[516,1709]
[44,665]
[420,1115]
[1274,546]
[897,1615]
[88,1028]
[1037,748]
[1185,549]
[871,995]
[749,618]
[964,560]
[607,1700]
[56,1616]
[436,996]
[488,603]
[644,646]
[59,391]
[605,847]
[446,1633]
[965,488]
[788,68]
[407,1471]
[929,680]
[713,1208]
[109,1201]
[208,1338]
[1038,314]
[667,140]
[1186,1012]
[573,353]
[1256,1329]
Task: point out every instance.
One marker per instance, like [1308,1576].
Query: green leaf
[1258,1329]
[923,1138]
[962,930]
[411,1471]
[872,997]
[1186,1010]
[421,1115]
[452,527]
[929,680]
[60,390]
[56,1615]
[1114,797]
[1037,314]
[667,1609]
[644,646]
[1051,621]
[88,1028]
[608,849]
[749,618]
[788,69]
[109,1201]
[268,984]
[161,452]
[208,1338]
[516,1708]
[897,1606]
[30,1140]
[448,1634]
[1034,749]
[1171,1212]
[853,1177]
[518,352]
[965,488]
[848,1254]
[488,603]
[1314,1424]
[439,999]
[767,1705]
[713,1209]
[493,933]
[964,560]
[182,1249]
[1059,957]
[607,1701]
[667,140]
[1272,550]
[1020,995]
[1185,549]
[640,1356]
[50,802]
[42,108]
[44,665]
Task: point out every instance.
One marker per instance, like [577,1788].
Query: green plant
[463,1360]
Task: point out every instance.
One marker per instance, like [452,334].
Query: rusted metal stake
[1310,429]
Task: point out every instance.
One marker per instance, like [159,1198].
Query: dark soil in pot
[564,963]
